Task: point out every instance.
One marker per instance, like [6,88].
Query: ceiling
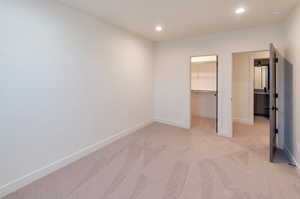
[185,18]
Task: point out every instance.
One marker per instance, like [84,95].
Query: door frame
[217,88]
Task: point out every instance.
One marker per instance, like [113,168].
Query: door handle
[273,108]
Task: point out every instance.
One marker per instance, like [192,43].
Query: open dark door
[273,99]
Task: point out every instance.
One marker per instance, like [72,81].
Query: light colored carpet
[165,162]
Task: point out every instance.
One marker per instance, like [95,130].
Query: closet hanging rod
[204,91]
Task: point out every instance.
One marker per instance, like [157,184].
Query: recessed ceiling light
[239,11]
[158,28]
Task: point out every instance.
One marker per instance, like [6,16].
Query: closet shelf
[204,91]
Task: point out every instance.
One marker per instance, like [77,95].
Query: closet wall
[203,75]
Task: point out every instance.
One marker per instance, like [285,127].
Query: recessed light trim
[239,11]
[158,28]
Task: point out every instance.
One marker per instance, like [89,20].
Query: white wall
[67,82]
[172,75]
[292,81]
[243,85]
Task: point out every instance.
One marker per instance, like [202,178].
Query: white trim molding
[48,169]
[176,124]
[292,159]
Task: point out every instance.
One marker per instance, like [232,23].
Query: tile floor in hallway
[165,162]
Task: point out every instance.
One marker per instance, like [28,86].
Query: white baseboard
[172,123]
[46,170]
[243,121]
[225,134]
[292,158]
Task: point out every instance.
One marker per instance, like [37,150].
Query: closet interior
[204,90]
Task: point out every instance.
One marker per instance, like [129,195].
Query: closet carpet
[165,162]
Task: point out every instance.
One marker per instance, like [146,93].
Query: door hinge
[276,95]
[276,60]
[274,108]
[276,131]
